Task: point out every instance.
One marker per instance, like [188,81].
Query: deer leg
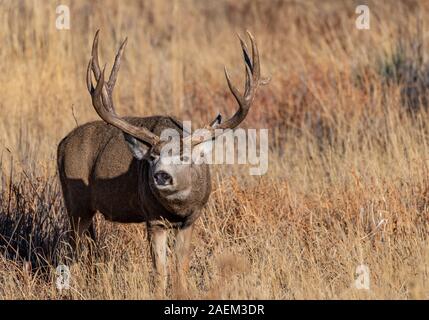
[158,249]
[181,250]
[80,213]
[81,226]
[91,230]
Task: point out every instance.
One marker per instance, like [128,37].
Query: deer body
[113,182]
[118,166]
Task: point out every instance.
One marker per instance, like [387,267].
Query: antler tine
[116,65]
[106,97]
[89,84]
[256,63]
[95,63]
[248,67]
[236,93]
[245,52]
[256,70]
[97,98]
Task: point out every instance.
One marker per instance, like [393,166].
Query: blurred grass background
[347,112]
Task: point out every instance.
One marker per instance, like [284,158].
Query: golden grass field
[347,114]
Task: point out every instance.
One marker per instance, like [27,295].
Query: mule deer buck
[116,166]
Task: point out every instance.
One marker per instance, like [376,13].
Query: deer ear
[137,148]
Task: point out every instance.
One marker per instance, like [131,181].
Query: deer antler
[253,80]
[103,103]
[102,96]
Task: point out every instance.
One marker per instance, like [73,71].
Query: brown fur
[98,173]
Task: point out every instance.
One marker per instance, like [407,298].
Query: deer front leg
[182,249]
[158,249]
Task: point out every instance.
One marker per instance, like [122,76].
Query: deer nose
[162,178]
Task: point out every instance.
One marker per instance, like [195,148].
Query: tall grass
[347,114]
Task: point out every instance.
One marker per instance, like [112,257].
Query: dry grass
[348,172]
